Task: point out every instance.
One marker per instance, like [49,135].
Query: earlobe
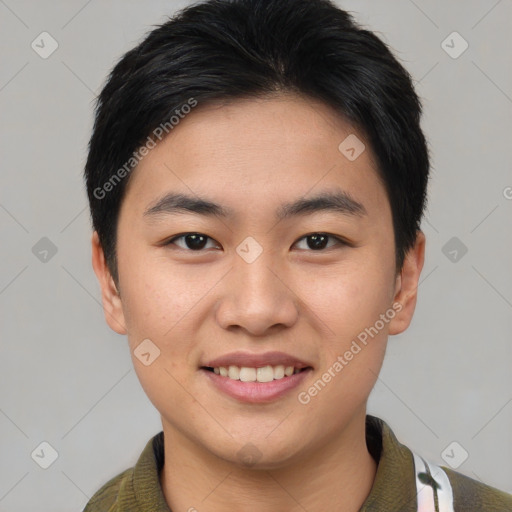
[406,288]
[112,306]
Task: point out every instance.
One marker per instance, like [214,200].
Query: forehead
[244,152]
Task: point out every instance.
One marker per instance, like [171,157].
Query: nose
[257,298]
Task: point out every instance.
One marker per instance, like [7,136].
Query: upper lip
[256,360]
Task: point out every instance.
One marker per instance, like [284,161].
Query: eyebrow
[330,201]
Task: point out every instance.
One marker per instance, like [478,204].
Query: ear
[112,306]
[406,288]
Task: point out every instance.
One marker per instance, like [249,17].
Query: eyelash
[339,241]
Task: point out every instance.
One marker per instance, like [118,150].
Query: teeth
[263,374]
[278,372]
[234,372]
[246,374]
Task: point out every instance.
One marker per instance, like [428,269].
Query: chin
[260,454]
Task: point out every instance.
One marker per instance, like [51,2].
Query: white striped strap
[433,489]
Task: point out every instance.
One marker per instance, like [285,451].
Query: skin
[252,156]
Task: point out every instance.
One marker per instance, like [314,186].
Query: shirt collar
[147,490]
[393,488]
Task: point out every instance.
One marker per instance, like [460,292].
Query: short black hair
[218,50]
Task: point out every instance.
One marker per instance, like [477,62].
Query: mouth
[262,374]
[255,378]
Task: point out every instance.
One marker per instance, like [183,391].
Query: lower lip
[256,392]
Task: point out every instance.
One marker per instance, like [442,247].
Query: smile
[266,373]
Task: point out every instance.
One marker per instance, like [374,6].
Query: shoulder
[106,498]
[470,494]
[454,491]
[136,488]
[404,475]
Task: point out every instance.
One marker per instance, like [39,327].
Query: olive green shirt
[404,482]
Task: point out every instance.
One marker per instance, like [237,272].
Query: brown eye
[191,241]
[319,241]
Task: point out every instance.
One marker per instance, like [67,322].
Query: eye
[198,241]
[191,241]
[318,241]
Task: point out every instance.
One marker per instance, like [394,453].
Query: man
[257,176]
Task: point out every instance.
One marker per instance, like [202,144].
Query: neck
[337,475]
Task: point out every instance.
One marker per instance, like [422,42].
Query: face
[282,256]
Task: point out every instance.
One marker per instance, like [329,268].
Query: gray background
[68,380]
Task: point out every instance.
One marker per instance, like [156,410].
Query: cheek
[349,305]
[152,293]
[351,296]
[353,348]
[166,303]
[157,305]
